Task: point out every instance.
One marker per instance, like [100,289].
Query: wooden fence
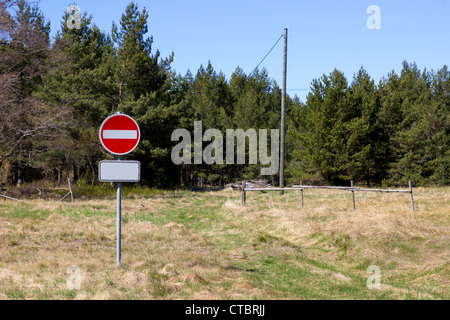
[69,193]
[301,188]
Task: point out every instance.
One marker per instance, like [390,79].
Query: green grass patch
[23,210]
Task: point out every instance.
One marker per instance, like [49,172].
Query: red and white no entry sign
[119,134]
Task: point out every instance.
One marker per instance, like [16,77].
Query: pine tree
[326,112]
[365,144]
[143,86]
[75,88]
[137,70]
[437,132]
[422,138]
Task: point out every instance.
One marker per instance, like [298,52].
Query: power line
[266,55]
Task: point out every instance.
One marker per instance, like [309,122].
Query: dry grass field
[203,245]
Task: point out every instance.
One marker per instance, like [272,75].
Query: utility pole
[283,113]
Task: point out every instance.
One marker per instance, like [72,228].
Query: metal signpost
[119,135]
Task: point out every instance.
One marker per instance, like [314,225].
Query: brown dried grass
[174,248]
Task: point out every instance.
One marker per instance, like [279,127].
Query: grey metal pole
[353,195]
[283,113]
[119,221]
[411,193]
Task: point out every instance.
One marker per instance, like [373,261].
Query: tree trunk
[59,175]
[72,172]
[93,174]
[19,178]
[221,184]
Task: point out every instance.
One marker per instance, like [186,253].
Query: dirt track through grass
[203,245]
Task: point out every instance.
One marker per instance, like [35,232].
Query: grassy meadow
[203,245]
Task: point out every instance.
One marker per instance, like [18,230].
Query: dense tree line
[54,94]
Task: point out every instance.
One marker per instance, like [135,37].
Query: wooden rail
[10,198]
[301,187]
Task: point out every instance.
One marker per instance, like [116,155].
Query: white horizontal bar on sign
[120,134]
[119,171]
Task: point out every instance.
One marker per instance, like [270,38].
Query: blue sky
[322,34]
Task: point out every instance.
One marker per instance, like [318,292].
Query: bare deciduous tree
[24,44]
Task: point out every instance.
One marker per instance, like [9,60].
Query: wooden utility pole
[283,113]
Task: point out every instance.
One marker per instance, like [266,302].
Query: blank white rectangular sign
[119,171]
[120,134]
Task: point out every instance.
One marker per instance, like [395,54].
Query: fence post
[301,191]
[243,194]
[411,193]
[71,191]
[353,195]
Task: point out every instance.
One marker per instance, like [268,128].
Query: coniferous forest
[55,93]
